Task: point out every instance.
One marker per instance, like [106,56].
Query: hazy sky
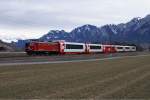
[33,18]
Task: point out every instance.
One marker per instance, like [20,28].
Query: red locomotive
[62,47]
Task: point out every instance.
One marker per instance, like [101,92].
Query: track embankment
[20,58]
[12,54]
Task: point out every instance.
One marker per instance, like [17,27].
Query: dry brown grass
[96,79]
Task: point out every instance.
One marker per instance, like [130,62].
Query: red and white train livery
[62,47]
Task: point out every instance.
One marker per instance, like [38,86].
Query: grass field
[118,78]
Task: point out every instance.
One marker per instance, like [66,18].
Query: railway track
[24,59]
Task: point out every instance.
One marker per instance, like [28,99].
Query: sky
[24,19]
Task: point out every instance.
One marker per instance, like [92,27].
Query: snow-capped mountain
[136,31]
[86,33]
[55,35]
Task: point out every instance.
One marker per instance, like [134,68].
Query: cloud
[27,17]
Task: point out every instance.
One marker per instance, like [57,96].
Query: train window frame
[119,47]
[73,46]
[127,47]
[95,47]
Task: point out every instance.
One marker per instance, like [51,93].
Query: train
[63,47]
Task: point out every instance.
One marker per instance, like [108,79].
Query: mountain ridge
[133,29]
[5,46]
[136,31]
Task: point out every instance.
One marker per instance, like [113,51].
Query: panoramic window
[119,47]
[127,47]
[95,47]
[133,47]
[70,46]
